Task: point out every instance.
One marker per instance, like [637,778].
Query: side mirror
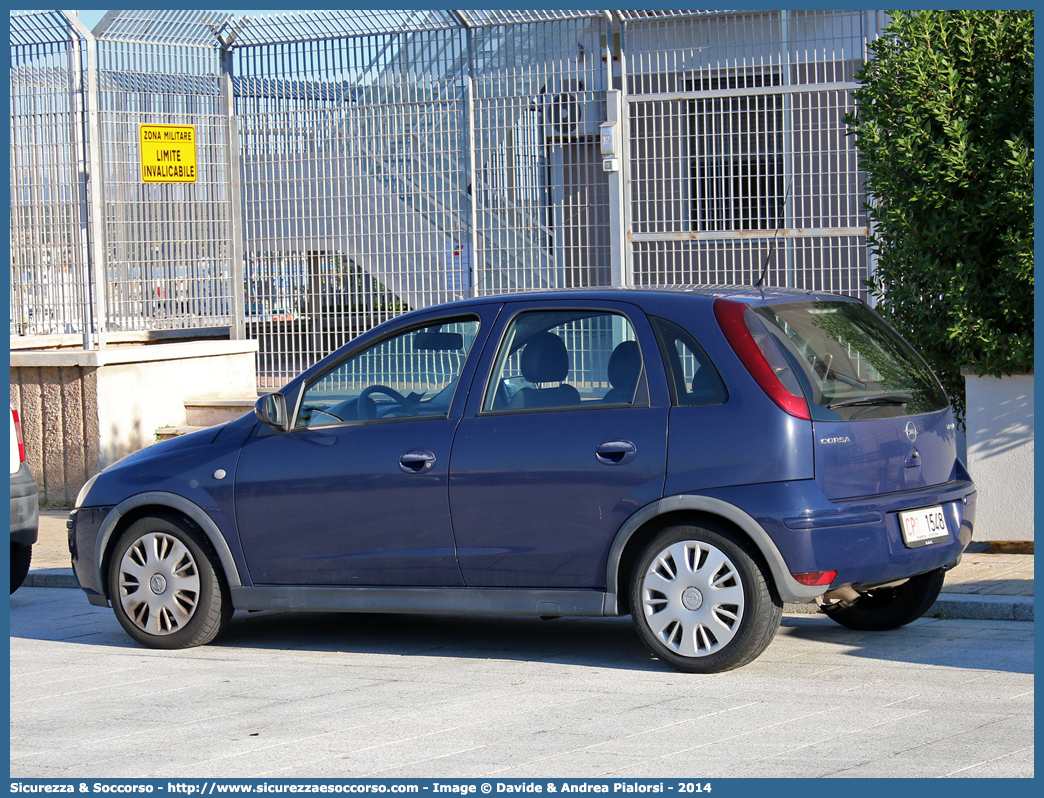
[271,409]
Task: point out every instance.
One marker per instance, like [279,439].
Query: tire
[700,602]
[21,557]
[166,584]
[891,607]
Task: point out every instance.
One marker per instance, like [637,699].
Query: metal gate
[538,95]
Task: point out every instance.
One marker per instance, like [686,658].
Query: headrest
[625,365]
[545,358]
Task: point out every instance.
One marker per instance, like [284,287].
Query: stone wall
[58,409]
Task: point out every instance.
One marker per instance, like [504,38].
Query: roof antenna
[772,249]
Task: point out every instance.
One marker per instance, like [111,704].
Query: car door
[355,493]
[563,438]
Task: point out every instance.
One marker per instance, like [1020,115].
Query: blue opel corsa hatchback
[695,458]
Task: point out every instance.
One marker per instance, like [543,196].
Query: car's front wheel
[700,601]
[884,608]
[166,585]
[21,558]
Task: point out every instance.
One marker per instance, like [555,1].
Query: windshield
[855,366]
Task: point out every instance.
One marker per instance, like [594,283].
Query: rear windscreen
[854,365]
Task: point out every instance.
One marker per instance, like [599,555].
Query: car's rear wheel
[21,557]
[886,608]
[166,584]
[700,602]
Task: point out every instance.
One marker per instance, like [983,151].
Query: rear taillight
[761,356]
[815,578]
[18,435]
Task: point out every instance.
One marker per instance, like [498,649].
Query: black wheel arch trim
[790,590]
[175,502]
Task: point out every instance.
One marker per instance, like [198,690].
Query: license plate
[923,527]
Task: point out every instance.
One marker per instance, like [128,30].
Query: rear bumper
[876,554]
[860,538]
[25,508]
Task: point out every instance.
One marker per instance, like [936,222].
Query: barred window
[737,151]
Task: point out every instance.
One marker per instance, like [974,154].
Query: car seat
[544,360]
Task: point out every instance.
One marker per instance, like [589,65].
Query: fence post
[788,149]
[477,266]
[237,270]
[77,125]
[621,257]
[98,255]
[619,205]
[474,260]
[873,23]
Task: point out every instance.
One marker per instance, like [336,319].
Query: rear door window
[854,365]
[567,360]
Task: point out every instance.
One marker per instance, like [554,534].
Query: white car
[25,507]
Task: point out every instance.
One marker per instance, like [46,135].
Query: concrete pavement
[342,695]
[985,586]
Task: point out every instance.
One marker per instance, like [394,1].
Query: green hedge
[945,132]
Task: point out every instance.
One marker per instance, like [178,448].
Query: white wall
[135,399]
[1000,455]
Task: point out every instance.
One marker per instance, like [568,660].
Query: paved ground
[397,696]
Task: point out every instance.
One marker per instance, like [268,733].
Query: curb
[962,606]
[51,577]
[949,605]
[983,608]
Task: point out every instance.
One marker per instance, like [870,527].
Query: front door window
[412,375]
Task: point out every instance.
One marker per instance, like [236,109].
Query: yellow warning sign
[168,153]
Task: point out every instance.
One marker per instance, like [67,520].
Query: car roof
[742,293]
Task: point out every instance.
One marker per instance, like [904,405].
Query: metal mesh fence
[352,198]
[541,200]
[737,132]
[356,164]
[50,286]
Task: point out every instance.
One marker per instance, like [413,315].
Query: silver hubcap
[693,598]
[159,583]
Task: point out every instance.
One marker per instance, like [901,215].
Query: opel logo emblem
[911,431]
[692,599]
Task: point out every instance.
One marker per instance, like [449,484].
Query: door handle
[416,461]
[615,452]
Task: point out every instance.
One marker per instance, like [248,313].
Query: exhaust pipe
[846,593]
